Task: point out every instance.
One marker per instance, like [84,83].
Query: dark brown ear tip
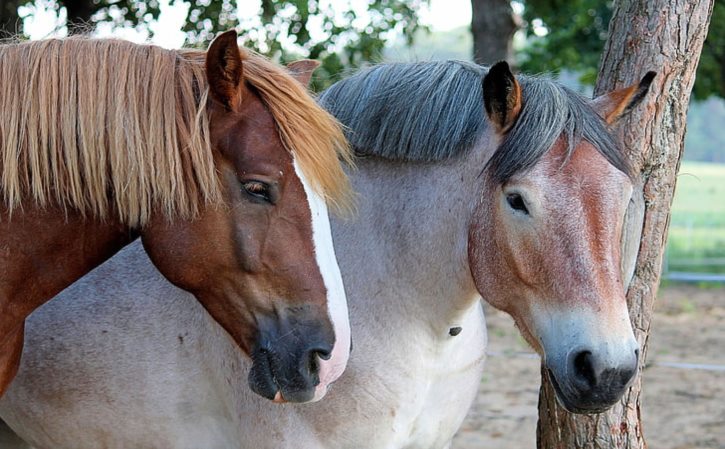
[230,34]
[497,74]
[224,39]
[500,66]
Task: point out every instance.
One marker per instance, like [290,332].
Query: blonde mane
[88,124]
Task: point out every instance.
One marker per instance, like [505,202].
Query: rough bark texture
[10,23]
[493,26]
[665,36]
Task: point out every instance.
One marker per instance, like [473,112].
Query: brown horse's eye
[516,202]
[258,190]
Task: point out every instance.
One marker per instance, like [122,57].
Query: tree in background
[565,35]
[560,34]
[348,39]
[666,36]
[493,25]
[80,12]
[339,38]
[576,31]
[570,35]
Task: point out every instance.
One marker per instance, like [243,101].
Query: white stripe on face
[330,369]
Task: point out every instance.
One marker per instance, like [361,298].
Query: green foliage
[340,38]
[577,31]
[711,69]
[133,13]
[128,13]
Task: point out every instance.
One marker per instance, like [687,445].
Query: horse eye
[257,190]
[516,202]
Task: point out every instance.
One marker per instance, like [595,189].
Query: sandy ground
[682,408]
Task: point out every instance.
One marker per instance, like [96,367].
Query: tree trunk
[493,26]
[79,12]
[665,36]
[10,23]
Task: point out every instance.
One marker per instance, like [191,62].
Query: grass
[696,239]
[700,195]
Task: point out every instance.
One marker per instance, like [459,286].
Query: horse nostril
[313,367]
[324,354]
[584,368]
[313,361]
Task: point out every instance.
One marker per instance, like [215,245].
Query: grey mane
[432,111]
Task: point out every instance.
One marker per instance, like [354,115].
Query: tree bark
[10,23]
[493,26]
[665,36]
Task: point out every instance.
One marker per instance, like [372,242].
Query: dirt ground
[683,408]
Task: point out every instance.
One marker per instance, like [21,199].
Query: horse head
[261,260]
[545,240]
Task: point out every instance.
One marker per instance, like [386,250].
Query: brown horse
[220,161]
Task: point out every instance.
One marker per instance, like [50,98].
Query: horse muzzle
[287,357]
[590,382]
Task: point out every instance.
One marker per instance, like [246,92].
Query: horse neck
[52,248]
[404,255]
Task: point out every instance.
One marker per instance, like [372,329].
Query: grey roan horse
[472,183]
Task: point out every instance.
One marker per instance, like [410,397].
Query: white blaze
[330,369]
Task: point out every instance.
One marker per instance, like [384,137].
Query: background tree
[493,25]
[343,37]
[80,14]
[560,34]
[666,36]
[570,35]
[576,31]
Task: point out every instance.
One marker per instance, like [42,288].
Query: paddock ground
[683,408]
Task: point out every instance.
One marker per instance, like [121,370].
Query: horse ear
[224,70]
[302,70]
[501,96]
[615,104]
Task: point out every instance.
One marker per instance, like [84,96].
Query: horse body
[393,395]
[413,222]
[222,164]
[442,219]
[68,255]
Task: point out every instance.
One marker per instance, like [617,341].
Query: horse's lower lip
[562,400]
[278,398]
[557,388]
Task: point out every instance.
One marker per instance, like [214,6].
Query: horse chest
[438,395]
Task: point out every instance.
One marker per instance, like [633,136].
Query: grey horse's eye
[516,202]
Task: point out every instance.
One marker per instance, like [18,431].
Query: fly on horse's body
[472,183]
[220,161]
